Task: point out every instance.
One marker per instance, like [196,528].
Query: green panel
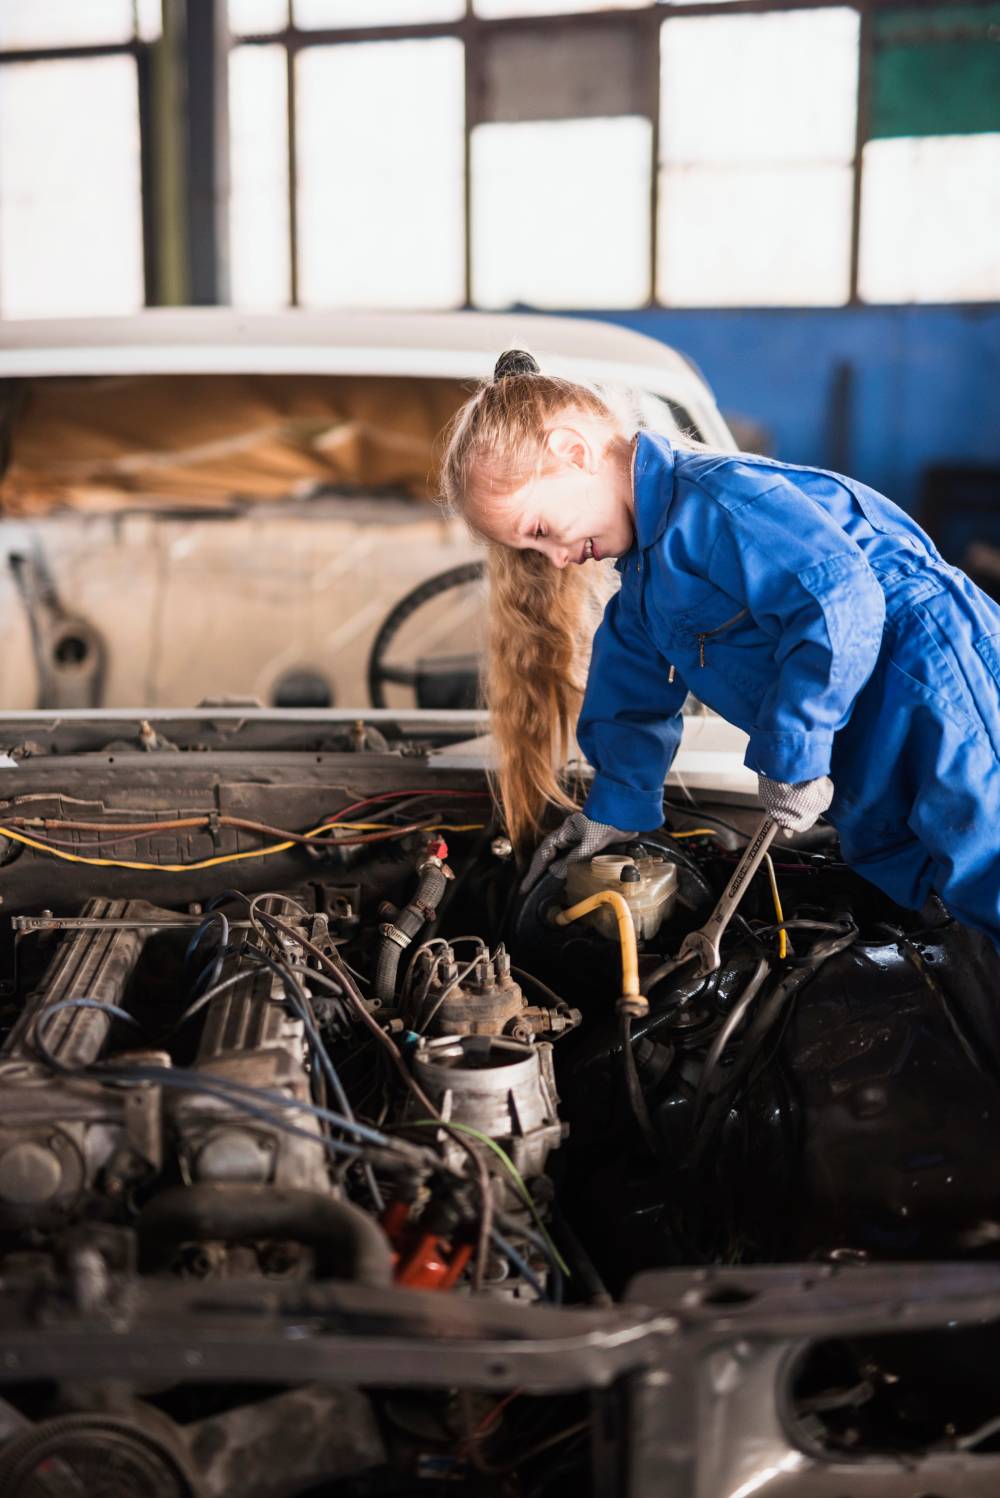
[936,72]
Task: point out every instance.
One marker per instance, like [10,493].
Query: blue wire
[248,1099]
[183,1080]
[556,1285]
[195,1082]
[220,956]
[173,1077]
[300,1005]
[109,1071]
[510,1253]
[87,1003]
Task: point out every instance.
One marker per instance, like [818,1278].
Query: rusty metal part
[23,924]
[59,1134]
[348,1242]
[250,1037]
[503,1087]
[484,1004]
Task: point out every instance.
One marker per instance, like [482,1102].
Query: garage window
[561,166]
[930,211]
[248,17]
[259,237]
[930,205]
[64,23]
[380,174]
[561,213]
[70,207]
[755,180]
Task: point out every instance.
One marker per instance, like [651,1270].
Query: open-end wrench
[703,945]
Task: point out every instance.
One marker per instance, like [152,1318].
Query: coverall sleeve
[630,723]
[809,585]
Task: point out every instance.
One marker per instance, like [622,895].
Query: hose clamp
[633,1005]
[393,934]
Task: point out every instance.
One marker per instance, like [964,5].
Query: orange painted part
[430,1266]
[394,1219]
[425,1266]
[460,1257]
[421,1260]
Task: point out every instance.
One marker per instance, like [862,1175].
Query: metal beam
[563,24]
[865,44]
[161,124]
[206,74]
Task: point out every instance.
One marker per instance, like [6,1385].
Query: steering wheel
[422,674]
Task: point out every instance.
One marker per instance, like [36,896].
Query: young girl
[799,604]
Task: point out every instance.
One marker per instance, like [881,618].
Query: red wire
[395,795]
[483,1425]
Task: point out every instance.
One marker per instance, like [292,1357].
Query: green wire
[508,1164]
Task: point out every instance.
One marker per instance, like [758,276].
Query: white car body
[279,585]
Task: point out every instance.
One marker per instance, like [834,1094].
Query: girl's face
[580,508]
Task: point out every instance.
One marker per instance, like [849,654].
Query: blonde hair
[541,618]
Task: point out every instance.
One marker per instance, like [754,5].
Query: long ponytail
[541,623]
[541,618]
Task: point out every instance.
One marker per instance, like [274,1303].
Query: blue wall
[917,385]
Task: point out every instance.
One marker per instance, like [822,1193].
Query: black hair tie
[515,361]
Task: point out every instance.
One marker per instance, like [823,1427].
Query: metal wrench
[704,944]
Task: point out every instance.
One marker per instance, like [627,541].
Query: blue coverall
[817,616]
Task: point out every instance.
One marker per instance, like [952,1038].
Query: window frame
[141,51]
[475,32]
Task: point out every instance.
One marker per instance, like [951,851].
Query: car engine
[278,1034]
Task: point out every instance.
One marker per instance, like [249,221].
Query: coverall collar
[652,487]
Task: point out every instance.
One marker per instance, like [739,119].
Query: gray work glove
[581,837]
[795,807]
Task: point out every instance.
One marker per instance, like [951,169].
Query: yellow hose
[631,996]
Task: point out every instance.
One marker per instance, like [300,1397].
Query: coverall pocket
[925,650]
[713,614]
[987,647]
[701,627]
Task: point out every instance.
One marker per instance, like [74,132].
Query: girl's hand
[581,837]
[794,807]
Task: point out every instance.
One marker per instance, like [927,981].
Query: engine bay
[284,1026]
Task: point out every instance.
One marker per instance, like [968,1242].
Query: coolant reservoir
[650,897]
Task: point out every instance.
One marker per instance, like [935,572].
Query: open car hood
[195,1301]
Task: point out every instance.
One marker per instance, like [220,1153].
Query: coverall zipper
[708,633]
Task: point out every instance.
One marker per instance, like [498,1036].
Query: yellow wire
[776,898]
[211,863]
[267,852]
[782,934]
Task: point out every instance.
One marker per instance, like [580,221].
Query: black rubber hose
[386,968]
[349,1243]
[726,1030]
[633,1086]
[422,908]
[767,1016]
